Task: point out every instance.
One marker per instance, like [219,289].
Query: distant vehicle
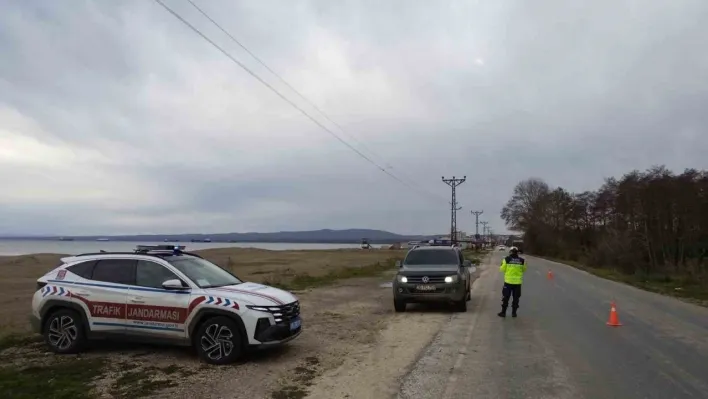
[501,247]
[432,274]
[160,293]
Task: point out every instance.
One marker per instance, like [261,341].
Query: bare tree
[652,223]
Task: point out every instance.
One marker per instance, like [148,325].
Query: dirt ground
[353,344]
[19,273]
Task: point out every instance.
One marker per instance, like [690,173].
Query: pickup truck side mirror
[467,263]
[399,264]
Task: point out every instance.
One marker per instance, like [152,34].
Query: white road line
[461,355]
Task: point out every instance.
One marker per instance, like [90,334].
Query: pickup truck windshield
[442,257]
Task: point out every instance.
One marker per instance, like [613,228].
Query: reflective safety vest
[513,269]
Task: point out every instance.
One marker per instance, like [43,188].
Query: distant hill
[313,236]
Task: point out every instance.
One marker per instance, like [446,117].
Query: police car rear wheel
[218,341]
[63,332]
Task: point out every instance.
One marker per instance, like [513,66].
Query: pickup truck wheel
[461,306]
[399,306]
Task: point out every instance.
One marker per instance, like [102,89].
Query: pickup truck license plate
[295,324]
[425,287]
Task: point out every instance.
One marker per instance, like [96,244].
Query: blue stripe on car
[121,287]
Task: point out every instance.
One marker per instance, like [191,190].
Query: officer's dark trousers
[511,290]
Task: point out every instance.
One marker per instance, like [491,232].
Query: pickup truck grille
[432,279]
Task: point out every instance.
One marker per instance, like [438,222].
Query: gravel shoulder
[374,370]
[339,320]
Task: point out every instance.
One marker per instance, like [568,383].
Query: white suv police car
[160,293]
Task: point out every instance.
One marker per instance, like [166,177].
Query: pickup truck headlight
[451,279]
[402,279]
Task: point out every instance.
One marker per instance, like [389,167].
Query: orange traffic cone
[614,320]
[550,274]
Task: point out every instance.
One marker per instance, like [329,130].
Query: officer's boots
[503,312]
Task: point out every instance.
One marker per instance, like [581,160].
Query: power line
[453,183]
[302,96]
[222,29]
[254,75]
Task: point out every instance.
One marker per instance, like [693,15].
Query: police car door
[153,310]
[104,293]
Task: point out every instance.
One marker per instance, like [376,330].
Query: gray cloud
[115,118]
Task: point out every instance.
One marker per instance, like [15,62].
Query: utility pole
[484,224]
[476,223]
[453,183]
[457,208]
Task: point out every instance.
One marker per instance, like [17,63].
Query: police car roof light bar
[146,248]
[149,250]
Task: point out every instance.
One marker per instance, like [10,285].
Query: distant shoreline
[19,247]
[324,236]
[373,242]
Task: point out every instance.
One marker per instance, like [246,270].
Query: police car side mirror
[398,264]
[467,263]
[173,284]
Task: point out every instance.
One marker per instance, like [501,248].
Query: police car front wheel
[218,341]
[63,332]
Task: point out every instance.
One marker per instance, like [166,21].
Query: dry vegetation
[648,229]
[287,269]
[112,370]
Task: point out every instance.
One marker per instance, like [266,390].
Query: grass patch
[141,383]
[303,281]
[304,375]
[290,392]
[682,288]
[63,380]
[11,340]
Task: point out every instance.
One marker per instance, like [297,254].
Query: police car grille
[285,313]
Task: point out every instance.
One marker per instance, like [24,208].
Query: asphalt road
[560,346]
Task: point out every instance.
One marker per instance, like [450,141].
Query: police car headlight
[258,308]
[450,279]
[403,279]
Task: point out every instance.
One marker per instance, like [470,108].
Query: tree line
[651,223]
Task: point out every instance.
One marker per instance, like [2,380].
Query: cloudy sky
[117,118]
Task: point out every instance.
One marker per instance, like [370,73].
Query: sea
[25,247]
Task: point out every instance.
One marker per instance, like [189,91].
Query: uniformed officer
[513,267]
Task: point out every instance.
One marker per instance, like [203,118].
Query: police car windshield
[202,272]
[430,257]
